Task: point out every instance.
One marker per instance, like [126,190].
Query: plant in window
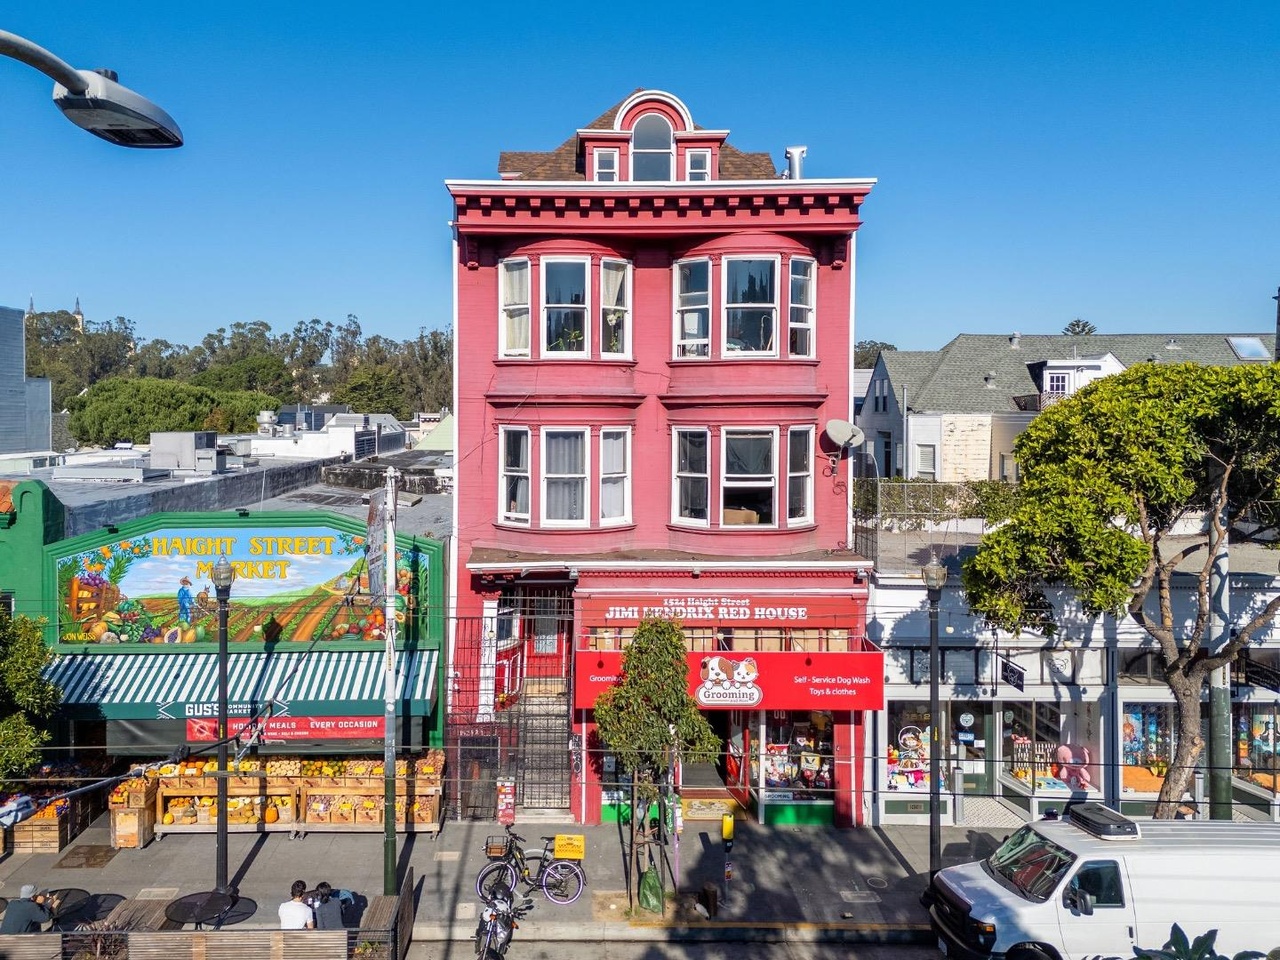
[613,330]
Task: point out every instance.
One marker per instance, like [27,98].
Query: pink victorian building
[654,331]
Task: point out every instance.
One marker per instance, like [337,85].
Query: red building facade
[653,331]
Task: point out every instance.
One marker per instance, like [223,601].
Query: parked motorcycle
[498,922]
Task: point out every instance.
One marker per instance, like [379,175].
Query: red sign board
[724,609]
[296,728]
[755,681]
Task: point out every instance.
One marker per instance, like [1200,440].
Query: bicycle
[560,880]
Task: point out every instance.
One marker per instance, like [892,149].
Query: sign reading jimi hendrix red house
[760,610]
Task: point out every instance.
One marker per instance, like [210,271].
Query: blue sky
[1117,162]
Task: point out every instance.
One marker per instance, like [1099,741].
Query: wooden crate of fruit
[42,835]
[132,828]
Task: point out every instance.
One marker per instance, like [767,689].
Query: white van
[1096,884]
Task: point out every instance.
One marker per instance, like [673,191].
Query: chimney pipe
[1015,341]
[794,157]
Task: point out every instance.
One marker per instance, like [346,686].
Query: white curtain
[613,473]
[565,471]
[515,305]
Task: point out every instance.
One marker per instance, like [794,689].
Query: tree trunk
[633,855]
[1187,688]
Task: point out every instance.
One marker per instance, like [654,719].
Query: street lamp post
[934,575]
[223,575]
[95,101]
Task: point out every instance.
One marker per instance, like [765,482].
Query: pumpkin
[271,815]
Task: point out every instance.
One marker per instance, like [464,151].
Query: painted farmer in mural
[185,600]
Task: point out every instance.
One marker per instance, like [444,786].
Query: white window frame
[601,172]
[1057,383]
[686,348]
[584,478]
[679,475]
[751,481]
[546,307]
[800,316]
[726,306]
[622,477]
[697,176]
[803,476]
[670,151]
[926,453]
[624,310]
[507,311]
[506,475]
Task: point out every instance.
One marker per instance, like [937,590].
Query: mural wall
[292,584]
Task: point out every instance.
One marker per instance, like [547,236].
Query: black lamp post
[934,575]
[223,574]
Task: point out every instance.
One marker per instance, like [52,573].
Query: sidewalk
[788,882]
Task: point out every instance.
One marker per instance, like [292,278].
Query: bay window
[693,477]
[615,476]
[750,305]
[801,318]
[565,289]
[693,308]
[513,308]
[800,473]
[564,477]
[747,481]
[615,307]
[514,482]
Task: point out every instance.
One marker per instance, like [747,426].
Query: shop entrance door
[972,737]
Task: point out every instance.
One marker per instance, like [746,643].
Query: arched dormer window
[652,153]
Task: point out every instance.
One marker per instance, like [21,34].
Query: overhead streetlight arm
[94,100]
[22,49]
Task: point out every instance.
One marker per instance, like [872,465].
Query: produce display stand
[358,806]
[247,801]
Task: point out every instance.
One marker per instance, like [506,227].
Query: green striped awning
[175,686]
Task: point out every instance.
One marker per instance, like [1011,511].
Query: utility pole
[1220,679]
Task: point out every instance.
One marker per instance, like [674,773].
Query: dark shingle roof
[954,379]
[564,162]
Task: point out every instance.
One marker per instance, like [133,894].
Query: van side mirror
[1077,899]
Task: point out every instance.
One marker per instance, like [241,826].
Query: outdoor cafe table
[199,908]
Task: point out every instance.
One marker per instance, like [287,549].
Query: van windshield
[1032,865]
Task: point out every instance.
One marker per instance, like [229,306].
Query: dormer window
[652,148]
[606,165]
[698,165]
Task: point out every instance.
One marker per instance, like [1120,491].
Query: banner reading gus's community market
[292,583]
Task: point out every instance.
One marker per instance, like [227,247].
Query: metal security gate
[510,713]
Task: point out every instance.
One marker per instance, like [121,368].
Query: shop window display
[797,757]
[1146,745]
[1256,742]
[1049,748]
[908,750]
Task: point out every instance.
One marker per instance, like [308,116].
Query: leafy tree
[1079,328]
[166,361]
[131,409]
[377,389]
[866,351]
[27,699]
[262,373]
[649,716]
[1108,476]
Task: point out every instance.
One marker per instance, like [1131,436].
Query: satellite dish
[844,434]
